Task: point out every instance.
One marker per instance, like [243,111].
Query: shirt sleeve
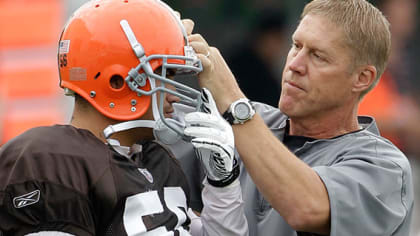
[223,212]
[369,194]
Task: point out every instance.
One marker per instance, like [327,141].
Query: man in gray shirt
[313,167]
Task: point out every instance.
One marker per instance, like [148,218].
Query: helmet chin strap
[161,130]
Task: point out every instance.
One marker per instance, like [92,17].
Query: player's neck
[90,120]
[95,122]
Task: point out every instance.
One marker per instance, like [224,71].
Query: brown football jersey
[64,179]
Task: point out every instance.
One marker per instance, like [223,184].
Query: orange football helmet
[109,51]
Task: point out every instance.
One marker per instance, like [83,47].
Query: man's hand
[216,75]
[213,141]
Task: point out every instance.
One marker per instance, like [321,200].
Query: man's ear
[364,78]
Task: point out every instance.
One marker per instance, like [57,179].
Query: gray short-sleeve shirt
[368,180]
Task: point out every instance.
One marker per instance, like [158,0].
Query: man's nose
[170,98]
[298,62]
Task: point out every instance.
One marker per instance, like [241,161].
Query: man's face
[168,98]
[316,77]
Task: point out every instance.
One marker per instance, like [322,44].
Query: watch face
[242,111]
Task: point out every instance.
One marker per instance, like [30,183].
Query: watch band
[227,115]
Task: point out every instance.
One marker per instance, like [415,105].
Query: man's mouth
[294,85]
[168,113]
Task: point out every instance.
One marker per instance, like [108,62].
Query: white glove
[213,141]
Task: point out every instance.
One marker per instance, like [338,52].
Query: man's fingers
[204,132]
[205,61]
[203,120]
[188,25]
[203,51]
[197,38]
[199,47]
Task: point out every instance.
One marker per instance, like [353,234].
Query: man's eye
[317,56]
[170,72]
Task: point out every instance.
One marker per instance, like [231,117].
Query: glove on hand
[213,141]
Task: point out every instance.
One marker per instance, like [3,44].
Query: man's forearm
[292,187]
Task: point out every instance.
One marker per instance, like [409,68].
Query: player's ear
[364,78]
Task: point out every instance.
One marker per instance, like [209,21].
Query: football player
[106,173]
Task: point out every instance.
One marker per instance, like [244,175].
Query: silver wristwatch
[239,112]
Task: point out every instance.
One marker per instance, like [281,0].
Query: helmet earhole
[116,82]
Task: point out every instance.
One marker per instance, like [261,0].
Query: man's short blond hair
[365,28]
